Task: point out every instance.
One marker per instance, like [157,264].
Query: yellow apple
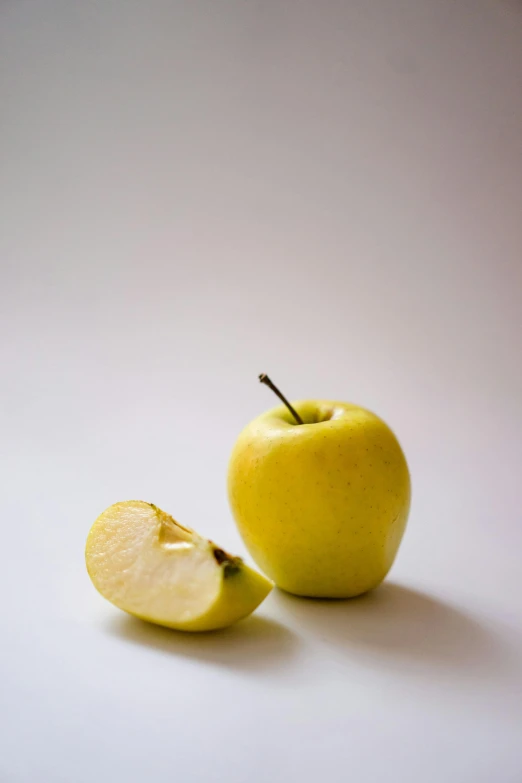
[321,505]
[147,564]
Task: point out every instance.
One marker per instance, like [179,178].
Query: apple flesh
[321,506]
[147,564]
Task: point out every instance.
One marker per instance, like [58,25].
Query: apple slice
[147,564]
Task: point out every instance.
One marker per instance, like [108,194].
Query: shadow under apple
[403,627]
[254,644]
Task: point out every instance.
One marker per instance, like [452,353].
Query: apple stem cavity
[230,563]
[266,380]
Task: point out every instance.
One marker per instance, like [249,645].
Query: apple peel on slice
[144,562]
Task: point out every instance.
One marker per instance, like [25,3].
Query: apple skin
[321,506]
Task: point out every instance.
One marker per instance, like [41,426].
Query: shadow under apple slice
[254,644]
[403,626]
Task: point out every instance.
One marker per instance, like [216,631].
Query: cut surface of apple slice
[149,565]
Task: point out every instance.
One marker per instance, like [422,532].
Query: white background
[196,192]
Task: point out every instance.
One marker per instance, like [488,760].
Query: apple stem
[266,380]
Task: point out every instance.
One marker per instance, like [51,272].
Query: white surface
[197,192]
